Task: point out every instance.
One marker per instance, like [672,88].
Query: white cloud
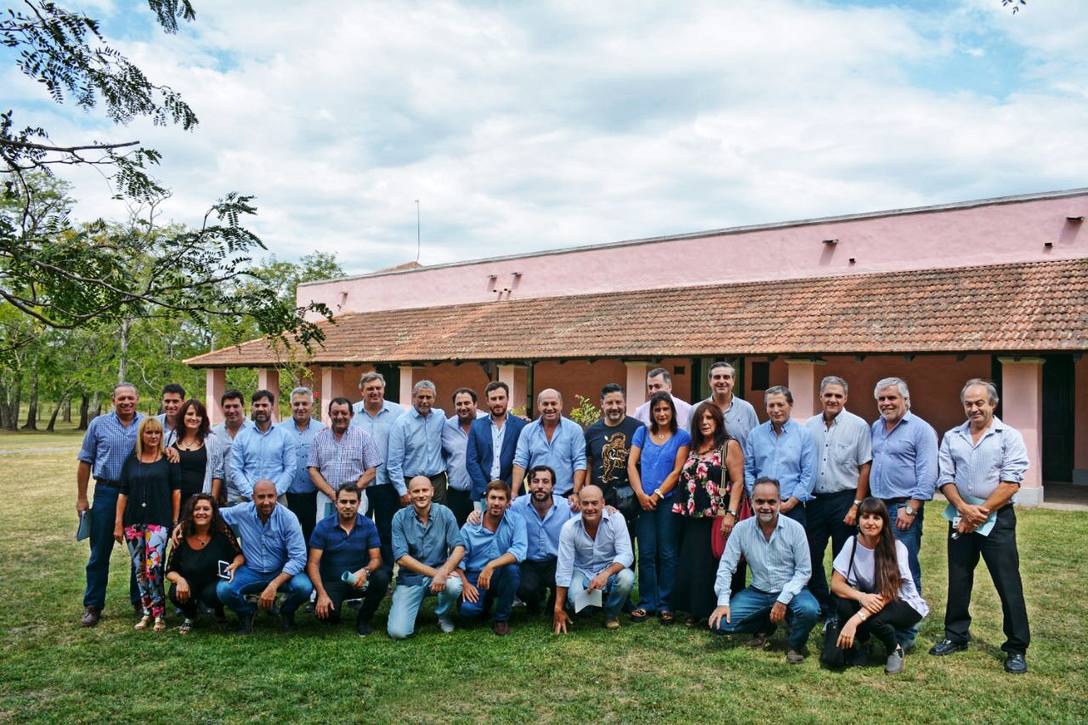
[532,126]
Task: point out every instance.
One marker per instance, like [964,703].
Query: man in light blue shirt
[173,395]
[740,416]
[233,405]
[544,514]
[554,441]
[776,550]
[301,494]
[493,549]
[782,449]
[264,451]
[415,443]
[455,435]
[376,415]
[275,552]
[594,554]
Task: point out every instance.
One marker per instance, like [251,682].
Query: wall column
[517,377]
[636,383]
[1080,421]
[1022,398]
[331,385]
[214,386]
[269,379]
[804,383]
[407,380]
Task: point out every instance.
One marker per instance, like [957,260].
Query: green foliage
[585,413]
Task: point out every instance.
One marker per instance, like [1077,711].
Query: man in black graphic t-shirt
[608,443]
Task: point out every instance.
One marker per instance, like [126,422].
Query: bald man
[555,441]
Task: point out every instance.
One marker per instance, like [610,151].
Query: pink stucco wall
[962,236]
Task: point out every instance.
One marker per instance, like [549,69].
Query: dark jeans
[912,539]
[537,577]
[460,502]
[797,513]
[823,517]
[1003,562]
[190,607]
[339,590]
[882,625]
[750,611]
[504,584]
[304,506]
[656,558]
[103,514]
[384,502]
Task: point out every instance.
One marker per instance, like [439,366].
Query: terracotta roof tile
[1009,307]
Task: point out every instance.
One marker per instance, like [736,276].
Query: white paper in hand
[586,598]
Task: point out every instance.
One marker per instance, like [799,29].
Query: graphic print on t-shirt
[613,456]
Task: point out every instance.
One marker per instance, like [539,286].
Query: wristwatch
[731,512]
[909,511]
[857,502]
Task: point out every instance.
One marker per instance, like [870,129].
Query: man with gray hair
[982,463]
[659,380]
[782,449]
[740,416]
[301,495]
[904,473]
[376,415]
[844,454]
[415,443]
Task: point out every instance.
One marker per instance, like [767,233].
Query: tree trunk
[122,361]
[96,405]
[66,410]
[84,404]
[53,416]
[32,409]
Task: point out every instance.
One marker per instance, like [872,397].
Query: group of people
[485,510]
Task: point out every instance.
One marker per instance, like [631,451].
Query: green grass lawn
[53,670]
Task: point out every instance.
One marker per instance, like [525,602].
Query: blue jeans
[407,599]
[246,581]
[616,590]
[103,514]
[656,557]
[504,585]
[750,609]
[912,539]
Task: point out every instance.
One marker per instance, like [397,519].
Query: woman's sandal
[160,624]
[186,627]
[144,623]
[639,615]
[666,617]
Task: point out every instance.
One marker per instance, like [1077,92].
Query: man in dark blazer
[499,430]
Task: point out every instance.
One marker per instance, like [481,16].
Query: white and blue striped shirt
[779,564]
[976,469]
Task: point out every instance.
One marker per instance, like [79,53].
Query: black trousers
[460,502]
[823,521]
[537,577]
[339,590]
[882,626]
[1003,561]
[384,502]
[304,506]
[190,607]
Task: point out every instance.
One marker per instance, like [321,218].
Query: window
[761,375]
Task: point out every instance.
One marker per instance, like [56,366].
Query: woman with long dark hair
[874,591]
[708,495]
[200,454]
[193,570]
[653,468]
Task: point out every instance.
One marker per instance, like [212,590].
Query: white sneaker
[445,624]
[894,664]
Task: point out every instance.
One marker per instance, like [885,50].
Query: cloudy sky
[529,126]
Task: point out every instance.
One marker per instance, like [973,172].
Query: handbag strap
[850,566]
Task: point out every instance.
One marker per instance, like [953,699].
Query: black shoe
[947,647]
[362,627]
[1015,664]
[287,622]
[245,624]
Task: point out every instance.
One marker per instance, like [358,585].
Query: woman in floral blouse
[702,502]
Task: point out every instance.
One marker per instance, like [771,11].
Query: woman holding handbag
[874,592]
[653,468]
[708,496]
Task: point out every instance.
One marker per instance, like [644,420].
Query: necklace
[199,541]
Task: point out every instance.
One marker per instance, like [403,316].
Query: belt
[833,493]
[107,482]
[897,500]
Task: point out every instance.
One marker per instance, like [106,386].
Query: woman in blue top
[653,468]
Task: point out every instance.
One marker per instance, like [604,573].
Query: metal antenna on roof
[418,246]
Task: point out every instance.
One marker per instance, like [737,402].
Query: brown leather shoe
[90,618]
[501,628]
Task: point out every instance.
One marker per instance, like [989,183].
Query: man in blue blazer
[498,430]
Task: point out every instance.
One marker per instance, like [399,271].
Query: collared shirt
[272,546]
[841,450]
[740,419]
[789,457]
[590,556]
[482,545]
[106,445]
[344,459]
[683,413]
[341,551]
[542,533]
[169,435]
[565,452]
[904,459]
[304,439]
[378,427]
[1000,456]
[498,435]
[258,455]
[415,447]
[781,564]
[454,445]
[429,543]
[220,432]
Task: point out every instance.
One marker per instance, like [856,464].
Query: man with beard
[263,452]
[493,549]
[455,435]
[342,456]
[233,405]
[544,514]
[493,441]
[776,549]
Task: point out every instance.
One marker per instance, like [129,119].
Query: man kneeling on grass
[427,546]
[594,553]
[776,550]
[493,549]
[346,562]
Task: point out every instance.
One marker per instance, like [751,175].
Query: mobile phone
[224,572]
